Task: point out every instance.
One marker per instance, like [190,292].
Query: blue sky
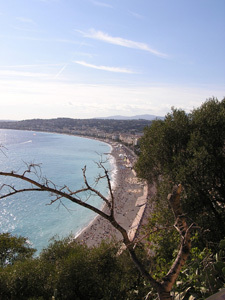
[94,58]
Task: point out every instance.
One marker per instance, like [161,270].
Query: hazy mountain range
[119,117]
[137,117]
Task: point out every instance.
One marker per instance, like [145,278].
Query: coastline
[130,202]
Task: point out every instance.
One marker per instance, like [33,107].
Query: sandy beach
[130,201]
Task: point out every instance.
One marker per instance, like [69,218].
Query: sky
[99,58]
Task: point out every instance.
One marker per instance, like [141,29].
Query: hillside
[87,127]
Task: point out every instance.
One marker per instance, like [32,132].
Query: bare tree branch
[94,190]
[44,187]
[20,191]
[110,187]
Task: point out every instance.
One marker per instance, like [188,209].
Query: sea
[59,159]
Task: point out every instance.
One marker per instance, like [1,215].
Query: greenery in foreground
[188,149]
[184,148]
[72,271]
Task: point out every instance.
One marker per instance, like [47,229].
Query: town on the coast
[126,131]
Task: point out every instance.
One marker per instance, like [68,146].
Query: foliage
[13,248]
[189,149]
[162,146]
[204,274]
[162,238]
[75,272]
[25,279]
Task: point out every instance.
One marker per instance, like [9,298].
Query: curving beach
[130,202]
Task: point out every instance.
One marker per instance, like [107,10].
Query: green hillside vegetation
[190,149]
[186,149]
[71,271]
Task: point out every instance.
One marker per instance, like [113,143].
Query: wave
[114,171]
[30,141]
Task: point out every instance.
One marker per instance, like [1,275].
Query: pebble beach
[130,195]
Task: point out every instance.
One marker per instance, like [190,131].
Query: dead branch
[95,191]
[20,191]
[109,186]
[55,191]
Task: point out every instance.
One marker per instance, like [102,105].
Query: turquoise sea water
[61,158]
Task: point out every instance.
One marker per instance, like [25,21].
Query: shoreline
[130,202]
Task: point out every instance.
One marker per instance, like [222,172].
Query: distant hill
[137,117]
[87,127]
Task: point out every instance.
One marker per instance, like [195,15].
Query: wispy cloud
[26,20]
[26,29]
[105,68]
[90,55]
[105,37]
[60,71]
[13,73]
[25,24]
[50,40]
[136,15]
[49,1]
[97,3]
[30,66]
[24,98]
[32,71]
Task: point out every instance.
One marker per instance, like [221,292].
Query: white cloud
[105,68]
[105,37]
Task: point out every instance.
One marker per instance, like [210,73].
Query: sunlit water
[61,158]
